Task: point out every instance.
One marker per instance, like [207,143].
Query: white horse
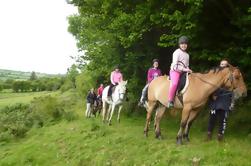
[116,98]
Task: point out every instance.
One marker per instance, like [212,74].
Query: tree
[72,73]
[1,87]
[132,33]
[33,76]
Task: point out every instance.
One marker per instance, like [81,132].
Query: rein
[230,78]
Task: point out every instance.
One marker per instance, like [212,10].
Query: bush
[14,121]
[46,109]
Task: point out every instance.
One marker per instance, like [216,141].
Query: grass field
[9,98]
[90,142]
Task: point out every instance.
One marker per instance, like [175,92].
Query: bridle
[120,94]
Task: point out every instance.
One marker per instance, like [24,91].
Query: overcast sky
[34,36]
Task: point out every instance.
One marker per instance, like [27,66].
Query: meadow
[90,142]
[7,97]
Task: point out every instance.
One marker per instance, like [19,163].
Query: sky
[34,36]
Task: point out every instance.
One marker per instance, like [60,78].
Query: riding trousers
[144,93]
[174,76]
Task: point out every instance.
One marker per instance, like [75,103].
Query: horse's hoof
[186,139]
[179,141]
[109,123]
[158,136]
[146,134]
[118,120]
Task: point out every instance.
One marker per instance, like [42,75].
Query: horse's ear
[125,82]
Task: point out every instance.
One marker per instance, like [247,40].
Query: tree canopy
[132,33]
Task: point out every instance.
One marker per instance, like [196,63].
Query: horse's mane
[215,69]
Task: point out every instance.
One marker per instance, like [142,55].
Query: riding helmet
[155,60]
[183,40]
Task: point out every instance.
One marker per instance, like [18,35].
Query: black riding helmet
[155,60]
[183,40]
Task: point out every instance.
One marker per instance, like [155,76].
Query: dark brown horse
[200,87]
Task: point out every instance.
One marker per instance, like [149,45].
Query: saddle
[111,90]
[183,84]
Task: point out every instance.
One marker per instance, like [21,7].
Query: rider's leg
[144,92]
[143,95]
[110,90]
[175,76]
[88,107]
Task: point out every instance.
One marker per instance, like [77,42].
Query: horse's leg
[185,115]
[120,107]
[150,108]
[159,114]
[155,120]
[190,120]
[111,114]
[99,108]
[108,113]
[104,111]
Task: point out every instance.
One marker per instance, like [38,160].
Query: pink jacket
[152,74]
[116,77]
[180,61]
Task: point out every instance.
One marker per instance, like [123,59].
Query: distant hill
[20,75]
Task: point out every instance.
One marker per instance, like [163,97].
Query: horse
[200,87]
[97,107]
[116,98]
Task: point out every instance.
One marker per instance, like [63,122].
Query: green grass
[90,142]
[8,98]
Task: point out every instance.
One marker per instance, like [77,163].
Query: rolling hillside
[20,75]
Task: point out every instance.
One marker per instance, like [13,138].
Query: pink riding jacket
[116,77]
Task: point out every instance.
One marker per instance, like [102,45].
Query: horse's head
[122,89]
[234,81]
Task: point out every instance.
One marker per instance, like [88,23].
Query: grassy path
[89,142]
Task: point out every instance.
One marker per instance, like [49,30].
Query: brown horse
[200,87]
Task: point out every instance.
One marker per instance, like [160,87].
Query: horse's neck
[115,94]
[211,81]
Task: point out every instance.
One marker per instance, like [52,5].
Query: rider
[100,91]
[180,64]
[220,104]
[152,73]
[116,77]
